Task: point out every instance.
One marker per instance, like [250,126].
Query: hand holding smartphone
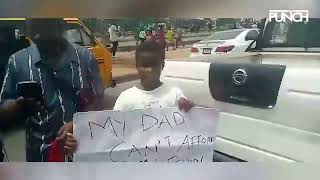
[29,89]
[29,93]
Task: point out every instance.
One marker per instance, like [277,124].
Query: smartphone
[29,89]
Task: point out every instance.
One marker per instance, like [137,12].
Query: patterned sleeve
[8,89]
[92,91]
[97,82]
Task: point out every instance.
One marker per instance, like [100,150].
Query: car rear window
[224,35]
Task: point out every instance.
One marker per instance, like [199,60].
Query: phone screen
[29,89]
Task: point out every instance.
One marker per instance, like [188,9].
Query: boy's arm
[179,94]
[97,83]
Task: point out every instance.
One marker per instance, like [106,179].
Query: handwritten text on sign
[163,135]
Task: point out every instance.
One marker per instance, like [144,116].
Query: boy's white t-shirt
[161,97]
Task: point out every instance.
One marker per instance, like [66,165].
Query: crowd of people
[165,37]
[61,78]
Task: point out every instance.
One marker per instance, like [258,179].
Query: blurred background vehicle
[234,42]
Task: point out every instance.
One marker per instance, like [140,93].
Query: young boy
[151,92]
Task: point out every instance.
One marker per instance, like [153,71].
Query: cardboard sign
[152,135]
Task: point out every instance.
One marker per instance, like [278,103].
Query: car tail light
[194,50]
[224,48]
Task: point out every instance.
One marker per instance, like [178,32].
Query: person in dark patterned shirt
[8,46]
[68,75]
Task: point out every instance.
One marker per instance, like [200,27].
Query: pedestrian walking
[142,35]
[114,39]
[136,36]
[179,37]
[170,39]
[210,26]
[150,36]
[161,37]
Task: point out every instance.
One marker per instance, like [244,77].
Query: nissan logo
[239,77]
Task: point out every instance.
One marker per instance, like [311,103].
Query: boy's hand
[185,104]
[71,144]
[65,136]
